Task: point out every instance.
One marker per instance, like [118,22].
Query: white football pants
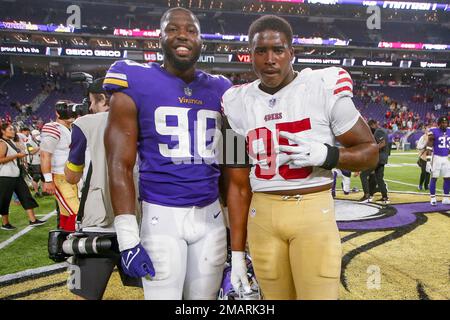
[188,248]
[440,167]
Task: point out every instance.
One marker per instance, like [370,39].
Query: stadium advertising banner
[239,57]
[35,27]
[22,49]
[156,56]
[413,46]
[97,53]
[137,33]
[320,41]
[230,37]
[430,65]
[153,56]
[311,60]
[402,5]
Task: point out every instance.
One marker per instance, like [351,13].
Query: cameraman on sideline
[98,217]
[55,142]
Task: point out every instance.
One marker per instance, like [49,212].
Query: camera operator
[97,215]
[55,142]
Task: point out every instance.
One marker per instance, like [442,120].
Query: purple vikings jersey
[179,131]
[441,141]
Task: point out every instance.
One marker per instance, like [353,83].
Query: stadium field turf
[403,253]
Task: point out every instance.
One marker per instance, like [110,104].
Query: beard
[179,64]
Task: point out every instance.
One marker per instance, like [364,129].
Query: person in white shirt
[11,180]
[290,121]
[56,138]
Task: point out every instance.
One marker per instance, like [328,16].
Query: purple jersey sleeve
[77,147]
[121,77]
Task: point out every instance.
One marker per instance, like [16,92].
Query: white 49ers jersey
[56,139]
[316,104]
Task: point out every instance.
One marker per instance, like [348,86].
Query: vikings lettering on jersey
[441,141]
[179,130]
[307,107]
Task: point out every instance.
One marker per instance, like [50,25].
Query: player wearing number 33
[170,116]
[438,147]
[290,121]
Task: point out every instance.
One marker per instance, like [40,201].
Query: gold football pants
[295,246]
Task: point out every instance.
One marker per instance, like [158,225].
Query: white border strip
[32,272]
[399,154]
[24,231]
[409,184]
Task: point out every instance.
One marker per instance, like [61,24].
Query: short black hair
[97,86]
[24,129]
[270,22]
[165,14]
[442,119]
[371,122]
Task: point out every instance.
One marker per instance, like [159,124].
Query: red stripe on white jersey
[345,80]
[341,89]
[51,131]
[50,126]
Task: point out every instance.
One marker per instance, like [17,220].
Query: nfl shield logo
[188,91]
[272,102]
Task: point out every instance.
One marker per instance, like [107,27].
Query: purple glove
[136,262]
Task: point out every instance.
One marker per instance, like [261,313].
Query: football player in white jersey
[290,121]
[56,138]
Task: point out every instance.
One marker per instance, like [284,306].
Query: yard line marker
[404,154]
[30,273]
[407,184]
[24,231]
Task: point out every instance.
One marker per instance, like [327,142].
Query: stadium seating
[22,89]
[227,22]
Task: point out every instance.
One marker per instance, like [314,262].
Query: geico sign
[93,53]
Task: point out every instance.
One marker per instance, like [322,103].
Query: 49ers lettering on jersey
[307,107]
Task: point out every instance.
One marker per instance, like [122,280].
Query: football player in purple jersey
[437,158]
[170,117]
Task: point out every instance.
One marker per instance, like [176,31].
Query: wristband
[332,158]
[48,177]
[127,230]
[430,148]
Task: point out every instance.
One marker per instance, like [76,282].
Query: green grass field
[401,173]
[30,250]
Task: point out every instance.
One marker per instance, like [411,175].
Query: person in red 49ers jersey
[290,121]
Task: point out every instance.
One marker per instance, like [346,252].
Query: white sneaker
[446,200]
[433,201]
